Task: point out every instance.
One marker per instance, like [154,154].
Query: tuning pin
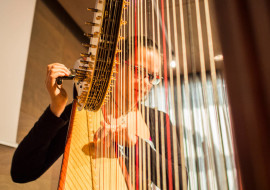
[88,80]
[79,104]
[84,55]
[95,35]
[86,62]
[85,68]
[121,38]
[91,23]
[99,17]
[126,3]
[123,22]
[89,45]
[116,62]
[94,10]
[118,51]
[82,97]
[92,57]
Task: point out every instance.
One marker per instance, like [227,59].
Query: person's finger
[52,77]
[97,134]
[56,69]
[55,72]
[58,66]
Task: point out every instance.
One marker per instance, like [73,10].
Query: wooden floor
[51,41]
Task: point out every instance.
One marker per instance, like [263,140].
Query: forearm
[40,148]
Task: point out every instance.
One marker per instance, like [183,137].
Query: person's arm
[46,140]
[43,145]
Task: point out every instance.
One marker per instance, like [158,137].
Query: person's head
[138,77]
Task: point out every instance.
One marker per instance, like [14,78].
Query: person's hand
[118,130]
[57,92]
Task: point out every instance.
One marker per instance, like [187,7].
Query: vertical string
[179,102]
[122,64]
[147,119]
[166,100]
[132,45]
[144,119]
[156,126]
[227,149]
[144,63]
[120,109]
[190,150]
[136,93]
[211,131]
[138,96]
[175,143]
[157,130]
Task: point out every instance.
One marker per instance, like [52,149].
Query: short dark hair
[145,41]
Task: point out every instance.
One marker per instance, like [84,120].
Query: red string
[166,100]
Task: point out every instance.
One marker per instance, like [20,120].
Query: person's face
[137,78]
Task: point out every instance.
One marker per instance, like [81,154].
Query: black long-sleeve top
[45,143]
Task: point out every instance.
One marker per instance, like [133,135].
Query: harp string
[227,149]
[118,106]
[190,149]
[138,75]
[220,167]
[130,97]
[122,73]
[168,137]
[214,77]
[155,88]
[179,103]
[102,149]
[157,130]
[147,121]
[133,46]
[171,80]
[136,13]
[146,146]
[141,87]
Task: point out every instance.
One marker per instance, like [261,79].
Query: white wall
[16,18]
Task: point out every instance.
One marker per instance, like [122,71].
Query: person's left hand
[118,130]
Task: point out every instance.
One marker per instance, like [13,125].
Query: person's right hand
[57,92]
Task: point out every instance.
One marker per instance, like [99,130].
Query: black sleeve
[43,145]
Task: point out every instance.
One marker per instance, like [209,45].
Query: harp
[172,47]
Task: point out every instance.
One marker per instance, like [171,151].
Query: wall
[52,40]
[16,20]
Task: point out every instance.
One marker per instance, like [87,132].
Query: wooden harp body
[83,166]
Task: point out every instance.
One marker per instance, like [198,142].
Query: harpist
[45,143]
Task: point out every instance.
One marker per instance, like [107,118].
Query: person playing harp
[45,143]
